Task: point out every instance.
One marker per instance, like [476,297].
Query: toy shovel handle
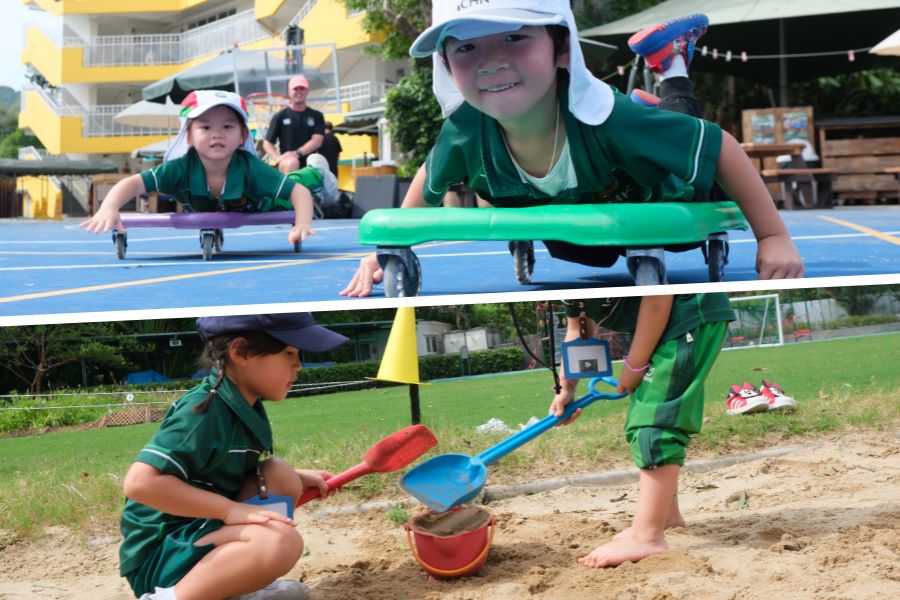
[503,448]
[336,482]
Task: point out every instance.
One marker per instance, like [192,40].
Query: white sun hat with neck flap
[195,105]
[590,100]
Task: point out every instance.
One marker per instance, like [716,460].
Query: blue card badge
[583,359]
[279,504]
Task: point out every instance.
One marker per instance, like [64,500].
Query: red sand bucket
[451,555]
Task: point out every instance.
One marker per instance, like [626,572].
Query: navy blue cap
[294,329]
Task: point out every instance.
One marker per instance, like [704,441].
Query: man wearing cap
[298,129]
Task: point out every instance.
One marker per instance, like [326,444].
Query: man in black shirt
[331,148]
[298,129]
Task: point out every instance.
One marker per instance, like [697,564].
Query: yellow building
[101,53]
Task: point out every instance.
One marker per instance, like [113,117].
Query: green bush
[860,321]
[430,367]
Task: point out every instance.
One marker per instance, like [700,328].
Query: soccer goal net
[758,322]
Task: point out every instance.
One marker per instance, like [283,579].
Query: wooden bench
[807,187]
[863,165]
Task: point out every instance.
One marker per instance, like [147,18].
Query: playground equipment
[210,225]
[644,229]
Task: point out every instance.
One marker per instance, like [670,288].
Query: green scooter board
[642,228]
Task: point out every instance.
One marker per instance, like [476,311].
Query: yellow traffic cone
[400,363]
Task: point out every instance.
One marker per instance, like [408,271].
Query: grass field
[74,478]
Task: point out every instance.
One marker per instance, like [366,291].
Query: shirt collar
[234,177]
[503,179]
[253,417]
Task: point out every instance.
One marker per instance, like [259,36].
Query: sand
[821,522]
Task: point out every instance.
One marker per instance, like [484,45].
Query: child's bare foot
[625,546]
[675,521]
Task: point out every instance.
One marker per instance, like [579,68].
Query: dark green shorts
[667,408]
[173,557]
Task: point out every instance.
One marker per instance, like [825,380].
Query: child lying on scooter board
[213,166]
[511,78]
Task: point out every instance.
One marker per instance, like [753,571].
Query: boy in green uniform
[188,531]
[676,340]
[213,166]
[511,78]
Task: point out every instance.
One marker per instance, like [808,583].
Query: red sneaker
[745,399]
[778,400]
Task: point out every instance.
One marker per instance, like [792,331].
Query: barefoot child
[213,166]
[527,124]
[188,534]
[676,340]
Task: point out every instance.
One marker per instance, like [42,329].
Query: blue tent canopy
[139,377]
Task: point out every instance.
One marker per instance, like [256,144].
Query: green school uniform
[667,408]
[216,451]
[250,184]
[636,155]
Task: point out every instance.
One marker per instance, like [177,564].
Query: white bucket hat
[590,100]
[198,102]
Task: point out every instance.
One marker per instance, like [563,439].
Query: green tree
[415,118]
[411,109]
[32,353]
[10,144]
[857,299]
[396,22]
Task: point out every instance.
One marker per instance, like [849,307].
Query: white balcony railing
[168,48]
[364,94]
[96,121]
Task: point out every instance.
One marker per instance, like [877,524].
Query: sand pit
[822,522]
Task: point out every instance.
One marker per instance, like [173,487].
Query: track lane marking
[124,284]
[867,230]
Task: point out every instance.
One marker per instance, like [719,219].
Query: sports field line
[867,230]
[124,284]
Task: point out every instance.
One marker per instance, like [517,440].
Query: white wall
[434,330]
[474,339]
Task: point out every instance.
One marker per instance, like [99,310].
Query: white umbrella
[156,149]
[151,115]
[889,46]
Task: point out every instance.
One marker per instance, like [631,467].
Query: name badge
[286,121]
[583,359]
[283,505]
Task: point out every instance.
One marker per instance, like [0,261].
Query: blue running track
[55,268]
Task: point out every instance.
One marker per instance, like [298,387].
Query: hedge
[441,366]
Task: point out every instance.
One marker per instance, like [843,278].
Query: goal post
[758,322]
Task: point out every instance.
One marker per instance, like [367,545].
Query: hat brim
[430,40]
[312,338]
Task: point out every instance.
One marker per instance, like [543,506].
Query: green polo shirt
[689,311]
[250,184]
[215,451]
[638,154]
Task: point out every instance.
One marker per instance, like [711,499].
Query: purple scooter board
[210,225]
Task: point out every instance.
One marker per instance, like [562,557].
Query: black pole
[414,403]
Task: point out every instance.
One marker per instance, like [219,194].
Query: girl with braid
[201,519]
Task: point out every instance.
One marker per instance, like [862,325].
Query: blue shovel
[449,480]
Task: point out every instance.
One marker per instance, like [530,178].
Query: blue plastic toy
[449,480]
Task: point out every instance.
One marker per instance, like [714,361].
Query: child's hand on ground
[367,274]
[310,478]
[103,222]
[299,233]
[562,399]
[629,381]
[777,258]
[242,514]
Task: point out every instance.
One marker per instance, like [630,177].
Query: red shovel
[392,453]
